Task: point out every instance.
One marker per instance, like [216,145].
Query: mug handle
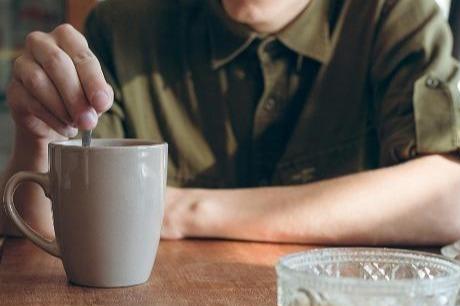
[41,179]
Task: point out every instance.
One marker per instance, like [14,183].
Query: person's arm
[58,86]
[91,55]
[416,203]
[28,154]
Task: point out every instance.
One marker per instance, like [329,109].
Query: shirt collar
[307,35]
[228,38]
[310,34]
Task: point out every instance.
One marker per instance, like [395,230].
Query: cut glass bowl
[367,277]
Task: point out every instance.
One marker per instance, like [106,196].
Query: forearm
[414,203]
[28,155]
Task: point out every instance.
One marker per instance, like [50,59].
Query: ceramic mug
[107,203]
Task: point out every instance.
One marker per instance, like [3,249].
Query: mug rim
[112,143]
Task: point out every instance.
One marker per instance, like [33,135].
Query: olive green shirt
[349,85]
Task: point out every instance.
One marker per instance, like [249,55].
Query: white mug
[107,203]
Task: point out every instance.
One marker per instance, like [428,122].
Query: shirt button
[270,47]
[432,83]
[270,104]
[240,74]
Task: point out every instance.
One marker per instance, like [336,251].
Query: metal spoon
[86,138]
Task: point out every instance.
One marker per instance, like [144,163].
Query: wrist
[203,217]
[232,214]
[29,153]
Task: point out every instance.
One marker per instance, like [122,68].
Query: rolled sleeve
[437,114]
[415,82]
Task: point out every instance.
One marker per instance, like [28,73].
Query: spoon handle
[86,138]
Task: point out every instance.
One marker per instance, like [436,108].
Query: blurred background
[19,17]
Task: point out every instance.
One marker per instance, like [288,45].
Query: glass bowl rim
[356,284]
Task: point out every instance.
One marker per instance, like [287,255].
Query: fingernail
[70,132]
[87,120]
[100,100]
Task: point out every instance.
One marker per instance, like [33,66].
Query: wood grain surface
[189,272]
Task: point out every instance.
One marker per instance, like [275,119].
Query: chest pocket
[357,154]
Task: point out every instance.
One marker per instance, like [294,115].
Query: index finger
[97,91]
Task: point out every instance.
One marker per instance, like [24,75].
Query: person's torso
[230,127]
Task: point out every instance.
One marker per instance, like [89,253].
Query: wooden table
[189,272]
